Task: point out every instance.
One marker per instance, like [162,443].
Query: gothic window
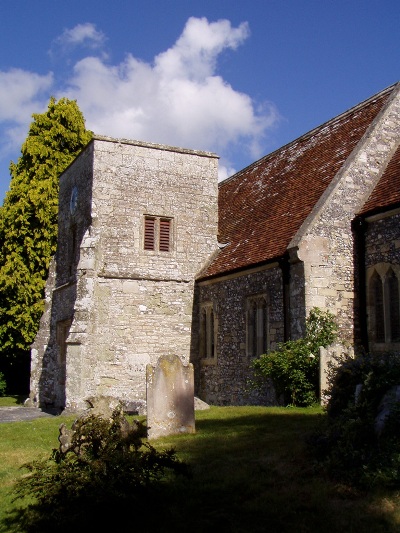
[207,332]
[377,302]
[157,234]
[384,307]
[393,304]
[257,326]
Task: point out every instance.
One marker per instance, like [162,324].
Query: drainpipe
[359,228]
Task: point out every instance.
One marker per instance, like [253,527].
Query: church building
[155,257]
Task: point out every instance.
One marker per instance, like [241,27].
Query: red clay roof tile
[262,207]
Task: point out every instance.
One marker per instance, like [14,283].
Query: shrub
[101,472]
[294,366]
[3,384]
[373,374]
[349,444]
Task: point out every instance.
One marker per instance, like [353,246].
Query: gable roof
[386,194]
[263,206]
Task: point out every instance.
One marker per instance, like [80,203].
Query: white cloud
[178,99]
[195,53]
[86,34]
[21,94]
[225,170]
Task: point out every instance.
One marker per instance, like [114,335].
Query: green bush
[375,374]
[99,475]
[294,366]
[3,385]
[348,443]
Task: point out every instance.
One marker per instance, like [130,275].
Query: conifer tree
[28,225]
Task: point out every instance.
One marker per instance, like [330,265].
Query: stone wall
[224,381]
[44,364]
[129,305]
[382,239]
[65,284]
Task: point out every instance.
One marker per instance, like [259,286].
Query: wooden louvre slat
[165,226]
[149,233]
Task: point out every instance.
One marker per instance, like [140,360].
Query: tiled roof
[387,191]
[262,207]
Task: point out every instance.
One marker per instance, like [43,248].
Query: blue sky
[239,77]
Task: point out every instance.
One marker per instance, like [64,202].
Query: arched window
[207,331]
[384,306]
[377,301]
[392,286]
[257,326]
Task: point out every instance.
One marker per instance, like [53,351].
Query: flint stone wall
[225,379]
[383,239]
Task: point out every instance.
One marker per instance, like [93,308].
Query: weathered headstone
[390,400]
[170,397]
[329,358]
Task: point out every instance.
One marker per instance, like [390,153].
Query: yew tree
[28,225]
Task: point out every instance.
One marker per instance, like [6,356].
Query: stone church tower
[137,223]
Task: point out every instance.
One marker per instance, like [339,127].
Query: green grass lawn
[251,473]
[12,401]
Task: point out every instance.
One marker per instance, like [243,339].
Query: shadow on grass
[251,472]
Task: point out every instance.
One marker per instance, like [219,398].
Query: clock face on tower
[74,200]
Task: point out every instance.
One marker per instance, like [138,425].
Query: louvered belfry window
[149,233]
[157,234]
[165,225]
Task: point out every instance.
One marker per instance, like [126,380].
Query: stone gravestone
[170,397]
[329,358]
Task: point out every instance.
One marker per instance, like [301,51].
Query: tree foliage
[293,367]
[3,384]
[103,470]
[28,220]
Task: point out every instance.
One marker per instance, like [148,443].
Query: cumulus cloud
[179,99]
[21,94]
[81,34]
[195,53]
